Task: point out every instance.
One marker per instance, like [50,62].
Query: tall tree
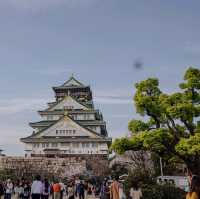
[172,129]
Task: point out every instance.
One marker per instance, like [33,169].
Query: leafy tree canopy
[173,127]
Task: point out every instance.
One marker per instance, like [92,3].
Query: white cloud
[118,134]
[113,97]
[107,100]
[114,93]
[41,5]
[54,71]
[120,116]
[10,136]
[12,106]
[10,139]
[192,49]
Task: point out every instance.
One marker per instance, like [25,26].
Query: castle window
[75,117]
[54,145]
[65,144]
[50,117]
[85,145]
[68,107]
[86,117]
[75,145]
[65,132]
[94,145]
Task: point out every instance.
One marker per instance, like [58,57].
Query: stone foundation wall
[57,167]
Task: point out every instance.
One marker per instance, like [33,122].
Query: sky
[43,42]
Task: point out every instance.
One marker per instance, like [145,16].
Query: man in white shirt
[36,188]
[8,189]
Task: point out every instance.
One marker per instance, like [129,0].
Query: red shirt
[56,187]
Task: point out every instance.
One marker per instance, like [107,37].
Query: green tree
[172,129]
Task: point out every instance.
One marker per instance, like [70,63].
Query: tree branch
[189,127]
[154,117]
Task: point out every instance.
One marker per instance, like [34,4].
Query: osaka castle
[69,126]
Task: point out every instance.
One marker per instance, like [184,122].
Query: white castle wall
[70,148]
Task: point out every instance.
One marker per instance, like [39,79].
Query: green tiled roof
[60,112]
[72,78]
[84,123]
[53,104]
[64,139]
[39,132]
[42,123]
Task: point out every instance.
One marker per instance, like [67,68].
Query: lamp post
[161,167]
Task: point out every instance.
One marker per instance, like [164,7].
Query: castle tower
[70,126]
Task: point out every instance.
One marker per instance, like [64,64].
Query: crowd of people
[74,189]
[78,189]
[115,190]
[43,189]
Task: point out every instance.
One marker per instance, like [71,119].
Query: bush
[150,189]
[162,192]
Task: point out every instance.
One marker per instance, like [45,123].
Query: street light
[161,167]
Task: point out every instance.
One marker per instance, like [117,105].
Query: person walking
[86,188]
[45,189]
[21,191]
[56,190]
[8,189]
[114,189]
[1,190]
[27,190]
[135,192]
[105,191]
[16,189]
[122,195]
[36,188]
[62,189]
[189,176]
[71,191]
[194,188]
[81,190]
[93,190]
[77,182]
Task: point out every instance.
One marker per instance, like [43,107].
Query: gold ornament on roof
[66,113]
